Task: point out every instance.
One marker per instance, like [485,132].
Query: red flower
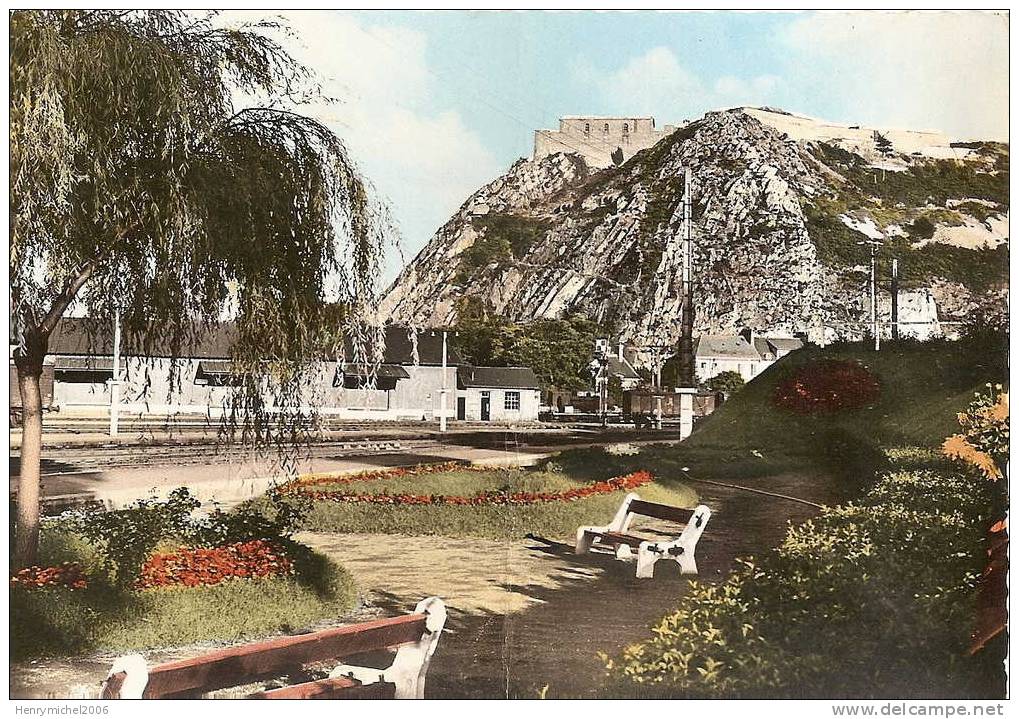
[826,386]
[68,574]
[193,567]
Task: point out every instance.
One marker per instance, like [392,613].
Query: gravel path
[523,615]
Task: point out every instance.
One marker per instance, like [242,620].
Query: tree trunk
[26,541]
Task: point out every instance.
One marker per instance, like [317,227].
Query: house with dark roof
[745,353]
[406,382]
[497,394]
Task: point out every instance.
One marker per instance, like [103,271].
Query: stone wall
[596,138]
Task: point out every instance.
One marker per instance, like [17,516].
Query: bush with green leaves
[123,539]
[873,599]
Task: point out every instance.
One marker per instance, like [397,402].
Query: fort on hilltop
[597,139]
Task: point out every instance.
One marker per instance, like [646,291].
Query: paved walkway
[523,614]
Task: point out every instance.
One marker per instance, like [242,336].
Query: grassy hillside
[923,385]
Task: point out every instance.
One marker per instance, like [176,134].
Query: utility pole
[873,297]
[442,392]
[686,359]
[895,299]
[115,382]
[687,377]
[875,326]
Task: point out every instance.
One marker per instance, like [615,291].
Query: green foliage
[125,538]
[521,233]
[138,187]
[922,387]
[844,607]
[728,382]
[558,350]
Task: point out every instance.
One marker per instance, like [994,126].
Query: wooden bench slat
[661,511]
[339,688]
[254,662]
[620,538]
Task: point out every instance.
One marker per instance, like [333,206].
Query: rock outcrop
[775,247]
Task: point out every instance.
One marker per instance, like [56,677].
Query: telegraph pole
[687,377]
[895,299]
[442,392]
[115,382]
[686,359]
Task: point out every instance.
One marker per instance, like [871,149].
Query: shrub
[866,600]
[983,442]
[125,538]
[727,382]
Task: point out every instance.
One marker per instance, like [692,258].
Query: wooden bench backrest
[661,511]
[264,660]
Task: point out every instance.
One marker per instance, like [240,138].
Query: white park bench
[649,551]
[413,636]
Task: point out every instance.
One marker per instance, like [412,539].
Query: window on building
[512,400]
[587,128]
[626,127]
[606,128]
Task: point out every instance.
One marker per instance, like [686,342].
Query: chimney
[748,335]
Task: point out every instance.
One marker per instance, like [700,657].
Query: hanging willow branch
[140,186]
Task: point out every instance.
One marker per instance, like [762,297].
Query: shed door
[486,406]
[461,408]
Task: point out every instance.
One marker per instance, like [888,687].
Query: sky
[434,104]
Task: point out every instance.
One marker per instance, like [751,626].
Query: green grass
[550,519]
[923,386]
[61,622]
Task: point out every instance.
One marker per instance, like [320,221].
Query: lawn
[105,617]
[556,519]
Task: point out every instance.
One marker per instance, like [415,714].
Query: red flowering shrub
[370,475]
[68,574]
[194,567]
[827,385]
[629,481]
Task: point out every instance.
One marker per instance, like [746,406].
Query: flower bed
[826,386]
[68,574]
[616,484]
[194,567]
[370,475]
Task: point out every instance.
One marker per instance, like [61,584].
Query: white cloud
[938,70]
[657,83]
[423,159]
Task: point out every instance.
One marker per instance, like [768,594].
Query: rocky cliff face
[775,227]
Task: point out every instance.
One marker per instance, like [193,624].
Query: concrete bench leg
[410,665]
[646,562]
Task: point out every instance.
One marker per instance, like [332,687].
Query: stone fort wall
[597,138]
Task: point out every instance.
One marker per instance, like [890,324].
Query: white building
[745,353]
[406,385]
[498,394]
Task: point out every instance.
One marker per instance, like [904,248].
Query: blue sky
[435,104]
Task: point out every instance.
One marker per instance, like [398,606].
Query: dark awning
[84,364]
[214,367]
[384,371]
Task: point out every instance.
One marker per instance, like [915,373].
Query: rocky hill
[776,227]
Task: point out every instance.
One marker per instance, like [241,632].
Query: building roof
[737,347]
[622,369]
[77,336]
[498,377]
[383,371]
[724,346]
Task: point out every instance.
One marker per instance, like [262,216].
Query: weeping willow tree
[142,187]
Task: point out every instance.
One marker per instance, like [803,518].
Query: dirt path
[523,614]
[530,614]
